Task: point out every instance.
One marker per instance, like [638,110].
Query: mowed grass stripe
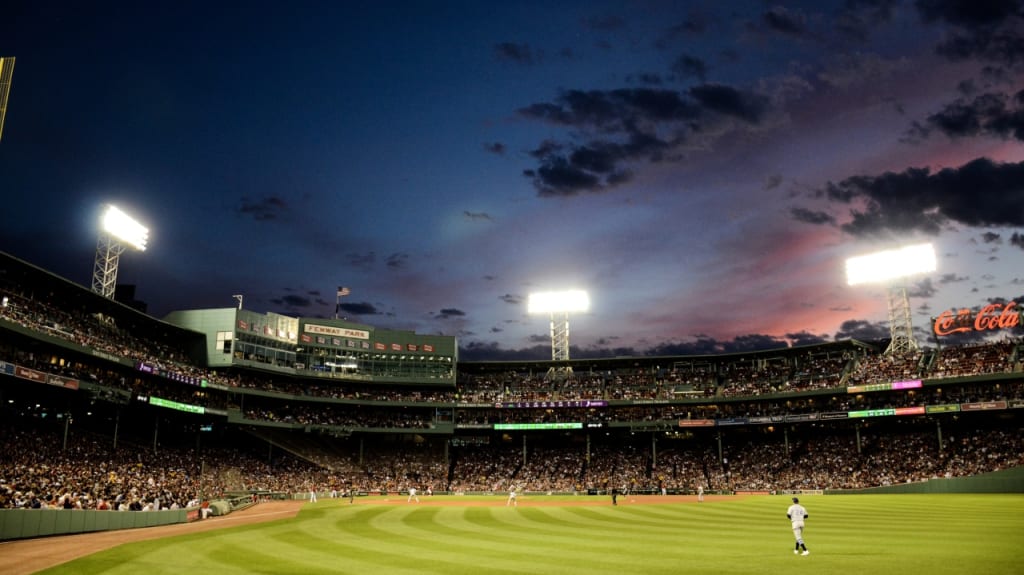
[932,534]
[409,532]
[505,548]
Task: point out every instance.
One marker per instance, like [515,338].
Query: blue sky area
[703,169]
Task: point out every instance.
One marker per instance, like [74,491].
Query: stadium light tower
[892,266]
[6,71]
[558,305]
[117,231]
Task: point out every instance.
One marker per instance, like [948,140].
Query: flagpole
[342,291]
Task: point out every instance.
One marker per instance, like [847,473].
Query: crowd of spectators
[747,377]
[88,473]
[39,472]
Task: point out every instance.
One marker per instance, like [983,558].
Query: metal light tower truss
[6,71]
[104,272]
[560,337]
[901,326]
[894,266]
[559,347]
[116,227]
[558,305]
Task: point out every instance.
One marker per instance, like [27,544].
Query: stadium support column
[654,450]
[719,437]
[67,421]
[938,433]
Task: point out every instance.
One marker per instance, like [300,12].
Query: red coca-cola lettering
[948,322]
[992,316]
[987,318]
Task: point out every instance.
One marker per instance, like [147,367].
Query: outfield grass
[854,534]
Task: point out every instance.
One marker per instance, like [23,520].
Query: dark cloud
[448,313]
[687,66]
[648,78]
[684,31]
[267,208]
[991,238]
[805,338]
[512,299]
[784,21]
[989,114]
[923,289]
[517,53]
[980,193]
[362,308]
[706,345]
[361,261]
[1017,239]
[613,110]
[862,331]
[729,101]
[969,14]
[811,217]
[491,351]
[292,301]
[951,278]
[397,261]
[477,216]
[859,17]
[629,126]
[987,31]
[496,148]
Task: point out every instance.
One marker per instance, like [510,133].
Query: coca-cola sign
[992,316]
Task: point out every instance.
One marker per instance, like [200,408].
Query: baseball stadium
[230,441]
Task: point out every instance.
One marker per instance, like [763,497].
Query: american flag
[343,291]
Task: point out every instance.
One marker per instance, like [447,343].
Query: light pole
[117,231]
[893,266]
[558,305]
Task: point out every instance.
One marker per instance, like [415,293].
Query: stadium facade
[339,394]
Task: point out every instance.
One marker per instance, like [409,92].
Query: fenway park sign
[992,316]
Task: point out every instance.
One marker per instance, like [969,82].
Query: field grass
[854,534]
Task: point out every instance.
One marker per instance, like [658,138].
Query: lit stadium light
[560,303]
[890,266]
[117,229]
[123,227]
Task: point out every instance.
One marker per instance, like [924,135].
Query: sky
[702,169]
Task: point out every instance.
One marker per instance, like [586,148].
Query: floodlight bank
[890,264]
[558,302]
[123,227]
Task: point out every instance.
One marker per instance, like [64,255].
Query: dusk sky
[703,169]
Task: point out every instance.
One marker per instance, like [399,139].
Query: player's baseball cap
[796,500]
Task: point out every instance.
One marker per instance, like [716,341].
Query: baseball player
[796,514]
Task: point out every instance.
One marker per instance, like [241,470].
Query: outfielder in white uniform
[796,514]
[412,495]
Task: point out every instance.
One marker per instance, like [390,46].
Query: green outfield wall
[28,523]
[1006,481]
